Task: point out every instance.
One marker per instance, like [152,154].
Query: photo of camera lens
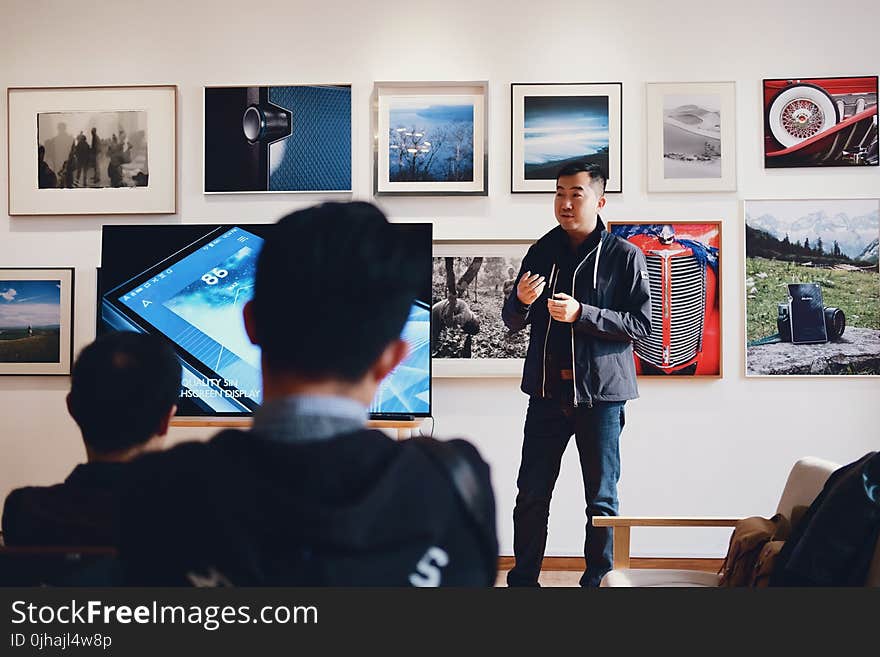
[265,123]
[277,139]
[835,322]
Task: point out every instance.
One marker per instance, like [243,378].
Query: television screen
[189,283]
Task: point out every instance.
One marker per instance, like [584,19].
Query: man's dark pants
[549,426]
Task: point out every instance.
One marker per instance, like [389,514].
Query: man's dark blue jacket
[611,283]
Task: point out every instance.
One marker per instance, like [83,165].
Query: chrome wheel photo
[800,112]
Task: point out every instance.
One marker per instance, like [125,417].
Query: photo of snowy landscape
[691,136]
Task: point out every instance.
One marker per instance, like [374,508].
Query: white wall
[690,447]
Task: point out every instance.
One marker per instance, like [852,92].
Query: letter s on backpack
[428,569]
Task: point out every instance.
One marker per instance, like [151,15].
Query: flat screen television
[188,284]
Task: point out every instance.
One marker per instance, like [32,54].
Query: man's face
[577,203]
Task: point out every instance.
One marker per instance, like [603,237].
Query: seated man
[311,496]
[122,395]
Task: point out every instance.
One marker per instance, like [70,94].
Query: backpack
[479,508]
[766,562]
[754,544]
[834,543]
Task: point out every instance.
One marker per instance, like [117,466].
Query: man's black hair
[334,286]
[597,174]
[122,386]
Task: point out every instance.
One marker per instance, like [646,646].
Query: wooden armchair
[805,482]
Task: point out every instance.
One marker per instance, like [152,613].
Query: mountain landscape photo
[829,243]
[853,225]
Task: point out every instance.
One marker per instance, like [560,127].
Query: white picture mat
[520,91]
[65,317]
[26,198]
[469,94]
[478,367]
[655,91]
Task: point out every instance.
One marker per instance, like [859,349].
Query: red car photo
[820,122]
[684,270]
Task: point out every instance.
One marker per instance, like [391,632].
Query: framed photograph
[92,150]
[691,136]
[684,266]
[555,124]
[431,138]
[294,138]
[812,287]
[36,320]
[820,122]
[470,281]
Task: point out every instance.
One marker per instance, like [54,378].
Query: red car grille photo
[678,299]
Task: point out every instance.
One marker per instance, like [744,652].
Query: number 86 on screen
[214,276]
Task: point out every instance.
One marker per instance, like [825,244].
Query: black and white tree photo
[467,296]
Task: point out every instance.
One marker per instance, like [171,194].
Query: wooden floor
[566,571]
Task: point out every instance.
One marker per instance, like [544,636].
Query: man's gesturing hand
[530,287]
[564,308]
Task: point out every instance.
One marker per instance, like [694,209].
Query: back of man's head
[334,287]
[123,387]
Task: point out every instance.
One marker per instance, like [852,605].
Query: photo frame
[430,138]
[475,328]
[36,320]
[691,136]
[264,139]
[92,150]
[819,257]
[552,124]
[684,261]
[820,122]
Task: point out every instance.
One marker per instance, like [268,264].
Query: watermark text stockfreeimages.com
[209,617]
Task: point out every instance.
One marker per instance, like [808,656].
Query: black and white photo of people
[92,149]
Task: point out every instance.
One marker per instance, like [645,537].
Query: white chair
[805,482]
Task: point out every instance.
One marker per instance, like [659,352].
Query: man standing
[82,152]
[58,147]
[587,296]
[510,283]
[93,156]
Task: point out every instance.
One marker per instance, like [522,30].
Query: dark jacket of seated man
[311,497]
[79,512]
[123,392]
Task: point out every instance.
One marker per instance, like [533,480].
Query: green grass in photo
[857,293]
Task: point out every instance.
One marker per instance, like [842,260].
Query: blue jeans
[549,426]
